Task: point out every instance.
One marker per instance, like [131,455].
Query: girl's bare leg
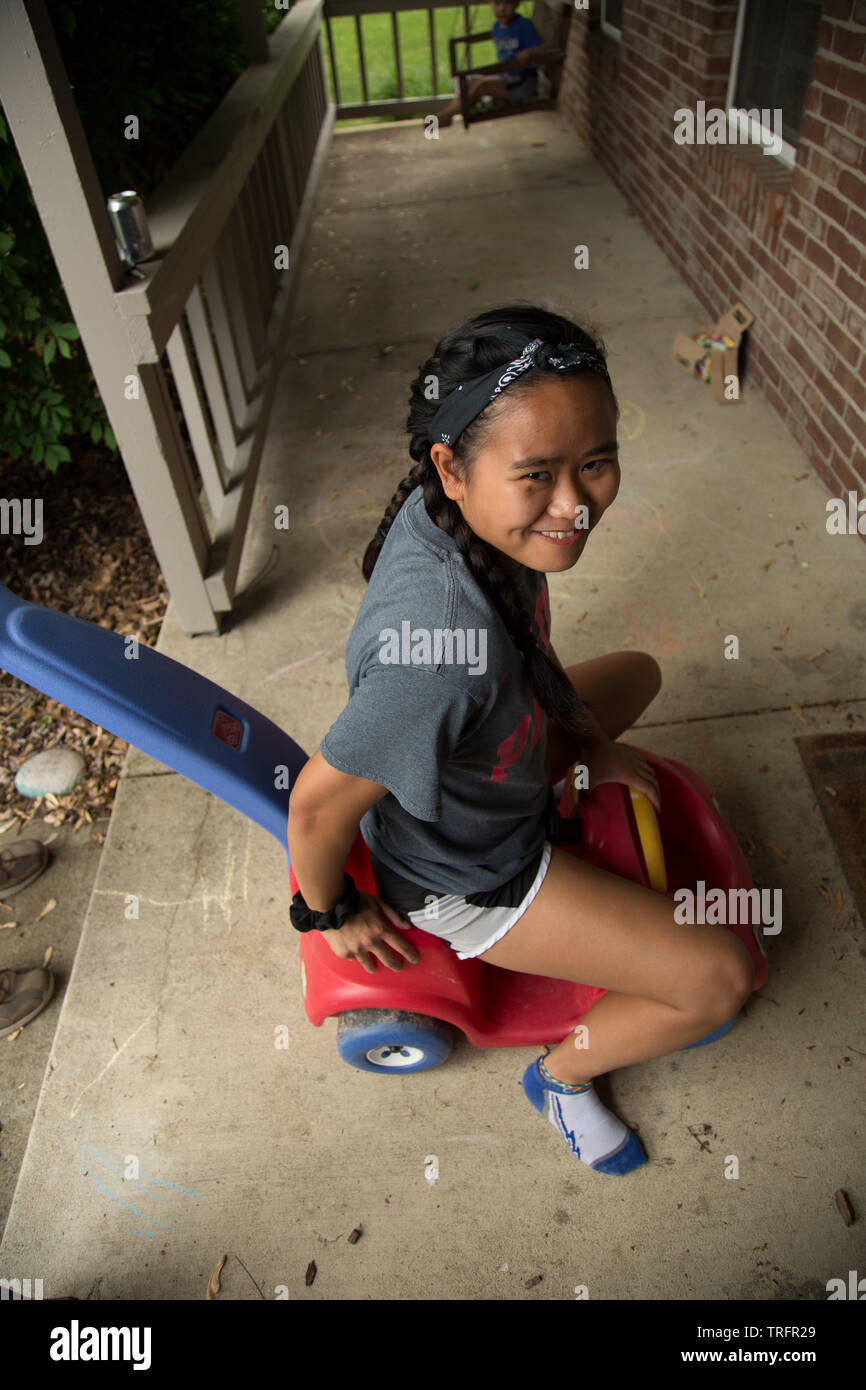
[668,983]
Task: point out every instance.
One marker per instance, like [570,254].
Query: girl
[460,716]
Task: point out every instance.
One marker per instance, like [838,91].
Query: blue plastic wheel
[719,1032]
[392,1043]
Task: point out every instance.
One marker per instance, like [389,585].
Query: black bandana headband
[460,408]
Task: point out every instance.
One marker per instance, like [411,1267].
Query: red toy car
[395,1022]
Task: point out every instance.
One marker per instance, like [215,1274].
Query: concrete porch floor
[165,1045]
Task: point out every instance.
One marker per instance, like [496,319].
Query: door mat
[836,764]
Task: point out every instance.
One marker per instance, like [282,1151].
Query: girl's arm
[562,744]
[325,809]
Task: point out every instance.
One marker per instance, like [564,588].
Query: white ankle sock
[592,1130]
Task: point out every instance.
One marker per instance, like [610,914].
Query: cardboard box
[714,355]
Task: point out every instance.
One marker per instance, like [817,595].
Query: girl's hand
[613,762]
[370,934]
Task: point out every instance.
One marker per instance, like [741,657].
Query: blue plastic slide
[162,707]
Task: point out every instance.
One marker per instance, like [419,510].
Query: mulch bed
[95,561]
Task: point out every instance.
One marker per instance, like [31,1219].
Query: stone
[55,770]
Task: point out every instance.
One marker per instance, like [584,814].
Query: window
[774,48]
[611,18]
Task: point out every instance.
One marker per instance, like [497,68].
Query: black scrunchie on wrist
[304,919]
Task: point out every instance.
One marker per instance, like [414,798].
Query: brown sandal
[23,995]
[20,864]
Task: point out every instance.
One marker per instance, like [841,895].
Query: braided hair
[476,347]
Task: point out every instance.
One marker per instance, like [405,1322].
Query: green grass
[414,34]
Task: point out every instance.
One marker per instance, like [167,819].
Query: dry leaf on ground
[213,1284]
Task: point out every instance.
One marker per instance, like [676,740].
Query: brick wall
[791,244]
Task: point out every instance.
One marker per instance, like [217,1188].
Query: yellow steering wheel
[648,831]
[650,839]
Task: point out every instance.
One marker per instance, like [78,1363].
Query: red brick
[853,289]
[848,44]
[842,343]
[805,186]
[842,147]
[769,264]
[837,9]
[856,323]
[816,434]
[853,186]
[848,252]
[858,463]
[837,432]
[794,236]
[855,122]
[770,369]
[848,479]
[848,382]
[830,297]
[851,82]
[856,424]
[855,225]
[812,160]
[787,284]
[801,270]
[799,354]
[825,71]
[812,309]
[812,221]
[833,398]
[834,207]
[818,256]
[833,108]
[814,130]
[774,327]
[835,462]
[775,400]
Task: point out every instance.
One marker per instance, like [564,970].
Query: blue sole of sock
[630,1156]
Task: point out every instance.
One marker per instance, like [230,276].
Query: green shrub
[118,62]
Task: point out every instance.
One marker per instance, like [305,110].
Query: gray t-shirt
[442,713]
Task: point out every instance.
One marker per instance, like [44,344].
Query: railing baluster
[320,82]
[337,98]
[256,298]
[293,135]
[284,217]
[287,166]
[274,219]
[234,345]
[432,29]
[208,365]
[361,57]
[193,406]
[396,37]
[305,106]
[266,198]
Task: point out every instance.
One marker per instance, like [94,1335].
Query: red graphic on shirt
[511,747]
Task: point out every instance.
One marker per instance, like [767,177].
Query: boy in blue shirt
[517,40]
